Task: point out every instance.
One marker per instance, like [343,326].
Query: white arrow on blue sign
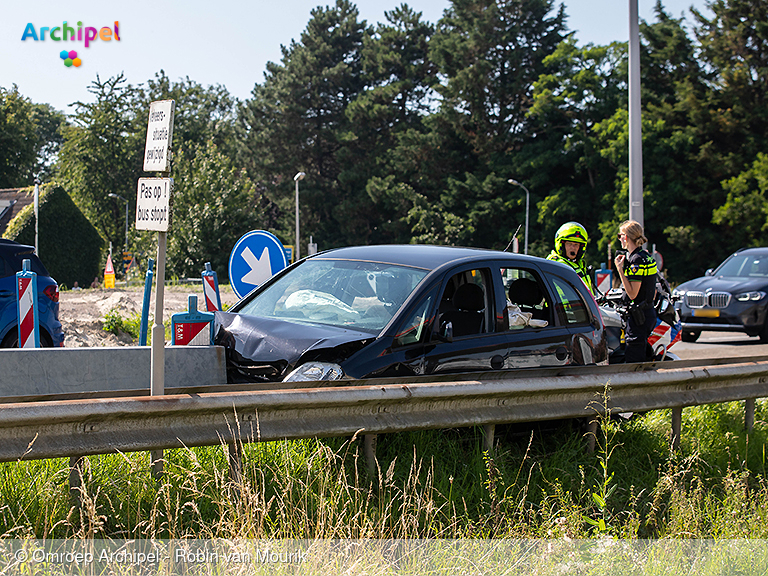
[256,257]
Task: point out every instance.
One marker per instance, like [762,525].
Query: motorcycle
[614,311]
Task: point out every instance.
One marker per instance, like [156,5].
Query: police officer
[637,272]
[571,241]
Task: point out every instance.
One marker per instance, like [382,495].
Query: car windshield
[745,266]
[358,295]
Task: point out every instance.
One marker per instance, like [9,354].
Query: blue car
[11,256]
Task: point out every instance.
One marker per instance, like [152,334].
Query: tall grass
[538,482]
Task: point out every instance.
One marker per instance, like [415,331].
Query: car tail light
[52,291]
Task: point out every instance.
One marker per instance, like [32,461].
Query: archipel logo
[66,33]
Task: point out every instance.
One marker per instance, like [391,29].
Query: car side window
[414,328]
[528,303]
[464,304]
[570,306]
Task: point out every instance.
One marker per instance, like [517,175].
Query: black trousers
[636,336]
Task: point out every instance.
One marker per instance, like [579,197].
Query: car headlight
[678,294]
[746,296]
[315,371]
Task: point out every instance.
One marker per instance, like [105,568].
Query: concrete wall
[58,371]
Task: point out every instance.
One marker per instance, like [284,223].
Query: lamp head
[299,176]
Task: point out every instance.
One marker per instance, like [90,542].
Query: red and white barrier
[26,298]
[211,289]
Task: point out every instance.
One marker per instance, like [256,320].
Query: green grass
[540,482]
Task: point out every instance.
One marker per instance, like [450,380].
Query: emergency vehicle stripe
[658,332]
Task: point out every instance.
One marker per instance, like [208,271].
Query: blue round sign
[256,257]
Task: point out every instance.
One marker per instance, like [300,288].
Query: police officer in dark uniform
[637,272]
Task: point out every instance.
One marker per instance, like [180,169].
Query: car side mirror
[709,272]
[446,332]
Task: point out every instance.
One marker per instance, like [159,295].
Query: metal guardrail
[104,425]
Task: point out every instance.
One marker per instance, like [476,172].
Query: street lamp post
[299,176]
[112,195]
[37,214]
[527,205]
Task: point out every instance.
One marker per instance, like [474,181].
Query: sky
[226,42]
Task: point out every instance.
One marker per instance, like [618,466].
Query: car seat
[526,293]
[467,318]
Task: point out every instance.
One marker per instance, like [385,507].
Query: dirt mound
[82,312]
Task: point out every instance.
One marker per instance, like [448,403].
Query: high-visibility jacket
[579,267]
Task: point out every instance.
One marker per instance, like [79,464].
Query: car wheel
[690,336]
[11,340]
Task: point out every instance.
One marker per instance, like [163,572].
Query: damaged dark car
[384,311]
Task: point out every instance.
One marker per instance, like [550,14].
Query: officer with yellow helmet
[571,241]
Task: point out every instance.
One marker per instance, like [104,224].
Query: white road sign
[153,204]
[159,135]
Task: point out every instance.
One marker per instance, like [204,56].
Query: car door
[539,338]
[466,335]
[572,312]
[7,297]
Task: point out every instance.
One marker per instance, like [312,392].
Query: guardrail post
[592,435]
[677,427]
[235,458]
[369,443]
[76,479]
[488,433]
[749,414]
[156,462]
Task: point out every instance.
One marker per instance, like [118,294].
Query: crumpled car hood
[281,343]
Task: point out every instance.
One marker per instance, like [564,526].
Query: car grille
[719,299]
[713,300]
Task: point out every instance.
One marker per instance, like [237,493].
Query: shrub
[69,245]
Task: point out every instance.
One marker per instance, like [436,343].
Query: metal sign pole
[158,330]
[153,213]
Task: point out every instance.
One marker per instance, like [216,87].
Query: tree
[387,117]
[102,154]
[214,204]
[743,219]
[202,114]
[489,54]
[48,123]
[18,139]
[296,121]
[582,90]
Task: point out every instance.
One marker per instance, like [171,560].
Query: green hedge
[70,247]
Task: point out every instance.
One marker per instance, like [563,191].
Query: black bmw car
[375,311]
[730,298]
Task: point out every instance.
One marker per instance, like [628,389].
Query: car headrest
[469,297]
[525,292]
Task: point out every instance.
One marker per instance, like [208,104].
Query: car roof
[422,256]
[762,250]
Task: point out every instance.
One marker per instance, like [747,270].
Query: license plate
[706,313]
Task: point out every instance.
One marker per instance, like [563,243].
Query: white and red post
[26,298]
[211,289]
